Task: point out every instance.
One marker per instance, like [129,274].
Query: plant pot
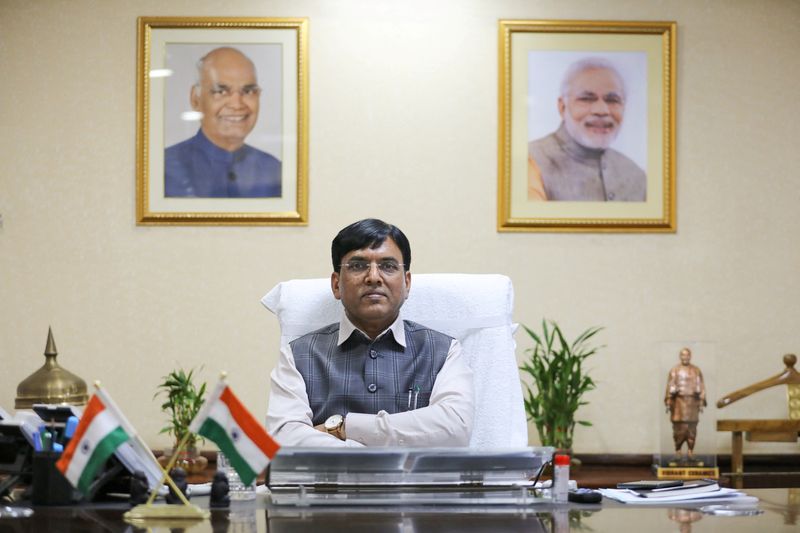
[189,459]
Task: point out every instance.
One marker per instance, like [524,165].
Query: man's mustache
[601,123]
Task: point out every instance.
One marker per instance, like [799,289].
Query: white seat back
[474,308]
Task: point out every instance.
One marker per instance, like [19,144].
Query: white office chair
[474,308]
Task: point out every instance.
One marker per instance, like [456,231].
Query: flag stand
[150,515]
[224,420]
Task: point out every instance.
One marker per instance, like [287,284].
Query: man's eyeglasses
[223,92]
[387,267]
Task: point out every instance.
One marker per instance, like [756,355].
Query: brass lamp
[51,384]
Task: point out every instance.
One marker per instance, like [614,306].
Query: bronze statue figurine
[685,398]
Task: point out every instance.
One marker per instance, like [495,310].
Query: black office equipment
[15,457]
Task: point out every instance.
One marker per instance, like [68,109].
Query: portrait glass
[222,135]
[586,139]
[256,117]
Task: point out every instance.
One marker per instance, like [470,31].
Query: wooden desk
[756,430]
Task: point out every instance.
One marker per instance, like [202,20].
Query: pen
[69,429]
[416,395]
[409,399]
[47,441]
[52,427]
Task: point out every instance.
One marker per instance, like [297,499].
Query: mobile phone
[649,484]
[584,496]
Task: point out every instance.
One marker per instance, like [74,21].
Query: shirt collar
[346,328]
[217,153]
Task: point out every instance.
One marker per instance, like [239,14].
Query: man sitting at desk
[372,379]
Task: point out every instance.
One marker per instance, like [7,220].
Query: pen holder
[49,486]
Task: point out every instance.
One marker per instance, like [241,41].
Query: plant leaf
[559,381]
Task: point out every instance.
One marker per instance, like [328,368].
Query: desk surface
[781,513]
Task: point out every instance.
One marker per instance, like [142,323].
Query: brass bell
[51,384]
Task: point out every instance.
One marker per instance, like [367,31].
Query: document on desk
[723,494]
[684,489]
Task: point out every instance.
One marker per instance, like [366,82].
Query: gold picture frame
[622,178]
[179,162]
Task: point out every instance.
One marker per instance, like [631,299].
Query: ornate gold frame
[586,216]
[226,211]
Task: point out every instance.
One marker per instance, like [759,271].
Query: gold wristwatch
[335,426]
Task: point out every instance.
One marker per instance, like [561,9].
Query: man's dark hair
[368,233]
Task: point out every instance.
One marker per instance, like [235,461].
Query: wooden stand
[763,430]
[756,431]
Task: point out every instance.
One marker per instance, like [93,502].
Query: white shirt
[446,421]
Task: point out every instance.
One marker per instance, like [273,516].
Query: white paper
[723,494]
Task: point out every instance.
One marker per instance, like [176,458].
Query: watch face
[333,422]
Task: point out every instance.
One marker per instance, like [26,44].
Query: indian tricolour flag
[100,432]
[224,420]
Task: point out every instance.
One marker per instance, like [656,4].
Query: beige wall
[403,101]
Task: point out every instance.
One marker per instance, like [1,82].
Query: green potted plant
[183,400]
[560,380]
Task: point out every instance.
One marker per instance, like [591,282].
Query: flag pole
[165,473]
[148,514]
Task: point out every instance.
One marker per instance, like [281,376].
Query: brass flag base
[167,515]
[149,515]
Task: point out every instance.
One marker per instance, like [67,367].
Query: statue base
[683,461]
[687,472]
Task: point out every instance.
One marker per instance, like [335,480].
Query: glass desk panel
[781,513]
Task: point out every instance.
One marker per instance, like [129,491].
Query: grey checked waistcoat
[366,376]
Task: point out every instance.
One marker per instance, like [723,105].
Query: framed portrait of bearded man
[586,129]
[222,136]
